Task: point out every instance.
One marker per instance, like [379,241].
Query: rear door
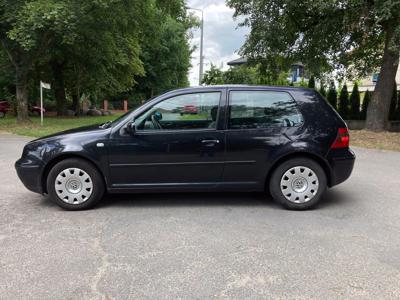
[256,123]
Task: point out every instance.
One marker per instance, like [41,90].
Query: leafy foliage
[365,104]
[322,90]
[311,82]
[344,103]
[165,51]
[97,48]
[213,76]
[332,96]
[353,37]
[244,74]
[355,103]
[321,34]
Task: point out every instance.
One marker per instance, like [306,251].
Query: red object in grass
[189,109]
[342,139]
[4,108]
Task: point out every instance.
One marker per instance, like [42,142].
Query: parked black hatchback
[288,141]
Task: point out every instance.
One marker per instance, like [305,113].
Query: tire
[75,184]
[298,183]
[2,114]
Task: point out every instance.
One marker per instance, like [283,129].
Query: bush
[332,96]
[322,91]
[311,83]
[344,103]
[355,103]
[398,106]
[364,106]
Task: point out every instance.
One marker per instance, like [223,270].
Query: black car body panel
[195,160]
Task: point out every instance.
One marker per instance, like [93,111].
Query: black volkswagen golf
[286,141]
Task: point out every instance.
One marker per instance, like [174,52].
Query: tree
[365,104]
[358,34]
[105,56]
[244,74]
[165,50]
[332,96]
[322,90]
[398,106]
[344,103]
[311,83]
[393,105]
[27,27]
[51,34]
[213,76]
[355,103]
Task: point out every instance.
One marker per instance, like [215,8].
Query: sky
[222,37]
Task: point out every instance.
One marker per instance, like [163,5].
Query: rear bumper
[29,174]
[342,164]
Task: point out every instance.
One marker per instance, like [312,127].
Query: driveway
[204,245]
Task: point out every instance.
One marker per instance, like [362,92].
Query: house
[368,83]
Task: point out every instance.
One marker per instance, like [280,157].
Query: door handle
[210,141]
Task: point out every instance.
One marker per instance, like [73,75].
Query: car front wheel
[2,114]
[75,184]
[298,183]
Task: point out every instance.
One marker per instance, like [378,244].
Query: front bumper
[342,164]
[30,174]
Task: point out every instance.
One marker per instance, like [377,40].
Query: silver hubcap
[299,184]
[73,186]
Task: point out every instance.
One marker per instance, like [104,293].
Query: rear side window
[261,109]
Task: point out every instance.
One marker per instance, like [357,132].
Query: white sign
[43,85]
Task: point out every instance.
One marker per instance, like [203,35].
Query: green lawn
[51,124]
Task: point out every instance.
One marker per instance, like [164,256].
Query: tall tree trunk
[378,109]
[59,87]
[22,95]
[75,103]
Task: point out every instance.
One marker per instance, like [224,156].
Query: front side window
[262,109]
[189,111]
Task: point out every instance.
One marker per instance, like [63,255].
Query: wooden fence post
[125,105]
[105,105]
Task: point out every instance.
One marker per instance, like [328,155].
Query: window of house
[189,111]
[261,109]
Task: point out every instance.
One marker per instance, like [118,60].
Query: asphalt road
[204,246]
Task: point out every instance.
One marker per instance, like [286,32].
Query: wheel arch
[62,157]
[323,163]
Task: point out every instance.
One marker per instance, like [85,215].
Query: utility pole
[201,44]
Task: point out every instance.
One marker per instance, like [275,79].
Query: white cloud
[222,38]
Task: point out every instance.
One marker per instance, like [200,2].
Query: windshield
[116,121]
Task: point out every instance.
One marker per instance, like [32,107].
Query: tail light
[342,139]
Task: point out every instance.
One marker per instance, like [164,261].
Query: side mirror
[130,128]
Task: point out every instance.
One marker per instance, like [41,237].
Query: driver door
[177,143]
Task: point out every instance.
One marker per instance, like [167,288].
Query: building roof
[237,62]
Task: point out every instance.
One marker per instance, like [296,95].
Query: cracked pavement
[200,246]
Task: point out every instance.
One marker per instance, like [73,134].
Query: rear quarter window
[262,109]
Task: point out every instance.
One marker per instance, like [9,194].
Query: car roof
[244,86]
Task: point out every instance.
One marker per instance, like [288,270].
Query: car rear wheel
[298,183]
[2,114]
[75,184]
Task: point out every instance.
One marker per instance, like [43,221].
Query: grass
[375,140]
[51,124]
[188,117]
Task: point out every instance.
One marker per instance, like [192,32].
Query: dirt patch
[375,140]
